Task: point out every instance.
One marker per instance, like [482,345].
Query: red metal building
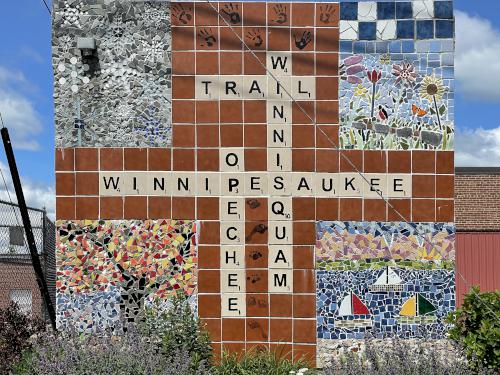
[477,218]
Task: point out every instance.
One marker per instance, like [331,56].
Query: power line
[335,146]
[47,6]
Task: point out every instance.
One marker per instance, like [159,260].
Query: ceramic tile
[118,277]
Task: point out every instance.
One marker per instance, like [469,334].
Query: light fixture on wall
[87,47]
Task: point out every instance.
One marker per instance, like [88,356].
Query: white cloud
[18,112]
[477,60]
[31,54]
[36,195]
[477,147]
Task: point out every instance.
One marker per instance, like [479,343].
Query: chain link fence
[17,277]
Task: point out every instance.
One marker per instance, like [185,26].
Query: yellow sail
[409,308]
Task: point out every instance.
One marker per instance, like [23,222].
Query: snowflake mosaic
[121,95]
[359,245]
[108,271]
[400,100]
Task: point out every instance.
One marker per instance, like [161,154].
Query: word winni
[295,184]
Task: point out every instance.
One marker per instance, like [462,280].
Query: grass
[260,363]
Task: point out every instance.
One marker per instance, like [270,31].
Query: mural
[119,93]
[396,67]
[364,76]
[115,268]
[386,278]
[354,245]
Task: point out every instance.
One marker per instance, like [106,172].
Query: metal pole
[44,254]
[35,260]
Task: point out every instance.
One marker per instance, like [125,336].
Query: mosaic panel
[384,278]
[397,101]
[397,71]
[119,93]
[342,245]
[389,20]
[349,307]
[114,268]
[236,145]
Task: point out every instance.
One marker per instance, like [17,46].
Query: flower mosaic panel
[397,101]
[107,271]
[397,70]
[120,94]
[353,245]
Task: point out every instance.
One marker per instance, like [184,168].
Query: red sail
[358,307]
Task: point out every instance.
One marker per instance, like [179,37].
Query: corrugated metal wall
[478,260]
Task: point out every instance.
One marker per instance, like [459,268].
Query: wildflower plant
[70,353]
[256,362]
[396,357]
[177,328]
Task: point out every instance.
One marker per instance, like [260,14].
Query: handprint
[326,13]
[254,255]
[304,40]
[256,37]
[253,324]
[231,10]
[254,278]
[259,228]
[281,15]
[184,15]
[208,37]
[253,203]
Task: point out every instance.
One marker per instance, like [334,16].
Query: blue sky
[27,106]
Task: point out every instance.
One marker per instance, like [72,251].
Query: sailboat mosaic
[385,279]
[388,312]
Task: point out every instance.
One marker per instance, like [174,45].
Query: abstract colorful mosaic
[114,267]
[340,245]
[384,278]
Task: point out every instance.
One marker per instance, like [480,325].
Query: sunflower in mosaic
[432,88]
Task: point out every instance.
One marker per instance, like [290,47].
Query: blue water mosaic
[437,286]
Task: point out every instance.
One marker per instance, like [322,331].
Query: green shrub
[477,328]
[259,363]
[16,329]
[179,330]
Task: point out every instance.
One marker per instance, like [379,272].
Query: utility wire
[335,146]
[47,6]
